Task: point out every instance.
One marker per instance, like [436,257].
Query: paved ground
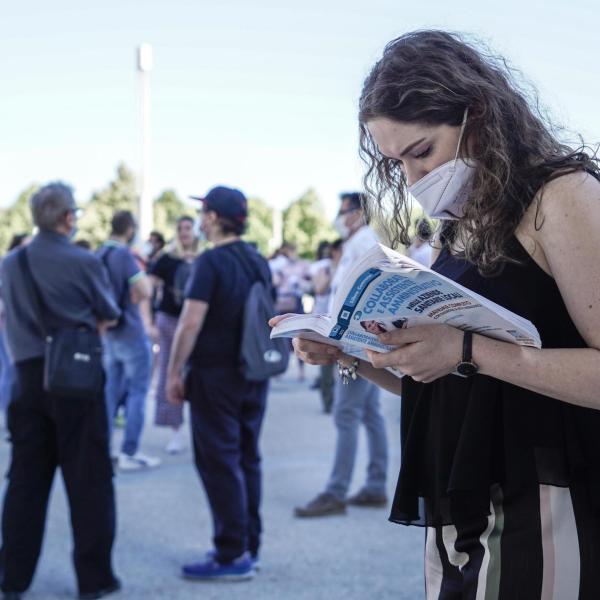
[164,522]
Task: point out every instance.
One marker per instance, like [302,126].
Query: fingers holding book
[275,320]
[425,353]
[315,353]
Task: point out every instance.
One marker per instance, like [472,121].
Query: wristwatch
[466,367]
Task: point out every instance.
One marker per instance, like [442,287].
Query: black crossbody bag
[72,356]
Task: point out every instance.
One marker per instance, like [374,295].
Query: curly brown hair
[431,77]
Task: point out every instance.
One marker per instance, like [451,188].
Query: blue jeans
[128,365]
[356,403]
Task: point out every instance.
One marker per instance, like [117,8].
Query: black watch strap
[466,367]
[467,354]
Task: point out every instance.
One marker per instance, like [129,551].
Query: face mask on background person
[340,226]
[147,249]
[443,192]
[74,229]
[198,232]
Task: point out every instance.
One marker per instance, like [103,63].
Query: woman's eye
[425,153]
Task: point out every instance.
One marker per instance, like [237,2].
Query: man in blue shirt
[128,355]
[47,430]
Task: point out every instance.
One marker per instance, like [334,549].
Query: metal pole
[277,234]
[145,208]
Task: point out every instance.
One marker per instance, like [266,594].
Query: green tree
[168,207]
[305,224]
[119,194]
[260,225]
[16,219]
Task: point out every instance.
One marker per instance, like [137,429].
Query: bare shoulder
[563,226]
[564,211]
[568,199]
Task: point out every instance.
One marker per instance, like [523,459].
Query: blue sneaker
[210,555]
[240,569]
[255,558]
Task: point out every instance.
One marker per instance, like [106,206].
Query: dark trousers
[46,432]
[227,413]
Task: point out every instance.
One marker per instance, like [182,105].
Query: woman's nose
[413,173]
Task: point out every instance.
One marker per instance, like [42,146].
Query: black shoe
[111,589]
[11,596]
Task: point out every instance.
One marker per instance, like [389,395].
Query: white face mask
[147,249]
[443,192]
[340,226]
[200,235]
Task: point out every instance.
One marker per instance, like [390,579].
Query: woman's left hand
[425,353]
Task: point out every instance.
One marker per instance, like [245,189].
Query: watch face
[467,368]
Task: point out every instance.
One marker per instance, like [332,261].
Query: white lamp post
[144,67]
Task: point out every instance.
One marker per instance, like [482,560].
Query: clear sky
[261,95]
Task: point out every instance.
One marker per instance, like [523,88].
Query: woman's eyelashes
[425,153]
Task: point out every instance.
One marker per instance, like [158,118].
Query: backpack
[260,356]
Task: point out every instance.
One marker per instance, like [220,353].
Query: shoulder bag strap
[125,290]
[34,294]
[248,264]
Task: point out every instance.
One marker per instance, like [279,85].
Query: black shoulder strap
[125,290]
[248,264]
[35,295]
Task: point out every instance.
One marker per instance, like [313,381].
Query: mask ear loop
[460,136]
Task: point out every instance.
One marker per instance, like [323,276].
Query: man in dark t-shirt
[226,409]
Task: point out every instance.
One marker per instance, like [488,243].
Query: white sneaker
[137,462]
[176,444]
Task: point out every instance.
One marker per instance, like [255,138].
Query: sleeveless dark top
[460,436]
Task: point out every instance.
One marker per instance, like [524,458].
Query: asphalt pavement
[163,520]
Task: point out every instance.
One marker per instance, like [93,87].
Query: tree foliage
[118,194]
[305,224]
[169,207]
[260,225]
[304,221]
[16,219]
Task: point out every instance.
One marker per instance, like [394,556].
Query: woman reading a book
[500,442]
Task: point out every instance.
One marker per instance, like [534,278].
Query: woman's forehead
[394,137]
[383,127]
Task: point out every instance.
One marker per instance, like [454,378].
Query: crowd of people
[499,461]
[170,299]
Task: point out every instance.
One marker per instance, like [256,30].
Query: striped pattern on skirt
[543,546]
[167,414]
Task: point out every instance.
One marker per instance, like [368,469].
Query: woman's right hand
[316,353]
[313,353]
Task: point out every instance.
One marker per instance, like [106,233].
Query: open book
[387,290]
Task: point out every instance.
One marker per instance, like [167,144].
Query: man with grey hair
[47,430]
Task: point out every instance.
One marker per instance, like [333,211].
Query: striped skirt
[539,546]
[167,414]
